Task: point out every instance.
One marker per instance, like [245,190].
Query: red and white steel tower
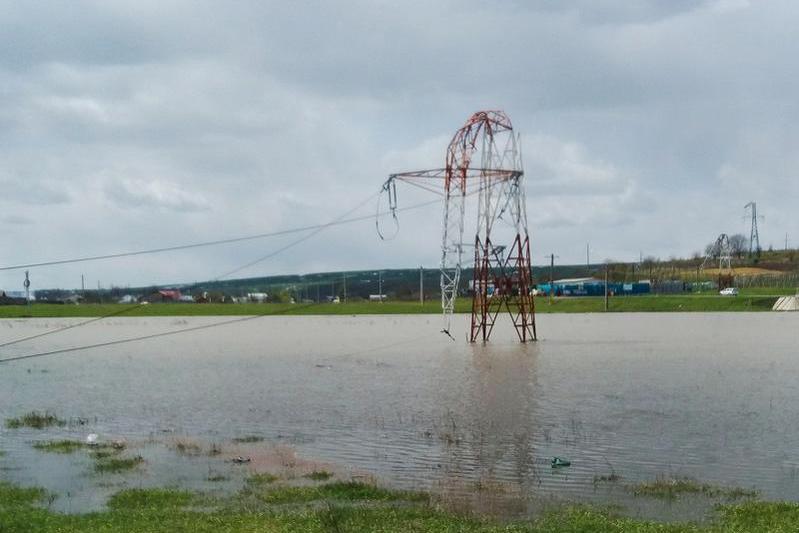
[483,159]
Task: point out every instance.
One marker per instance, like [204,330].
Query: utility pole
[82,286]
[345,287]
[317,293]
[421,285]
[380,285]
[27,285]
[588,257]
[606,287]
[786,241]
[551,277]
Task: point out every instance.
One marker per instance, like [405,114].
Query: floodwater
[714,397]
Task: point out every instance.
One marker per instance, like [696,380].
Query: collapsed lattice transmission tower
[483,159]
[721,250]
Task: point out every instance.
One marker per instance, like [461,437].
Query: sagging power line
[336,222]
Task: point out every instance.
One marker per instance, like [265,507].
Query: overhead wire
[298,241]
[316,229]
[141,337]
[71,326]
[217,242]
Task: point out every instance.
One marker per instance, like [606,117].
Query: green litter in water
[559,461]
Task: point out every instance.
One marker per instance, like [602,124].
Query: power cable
[141,337]
[317,229]
[70,326]
[298,241]
[335,222]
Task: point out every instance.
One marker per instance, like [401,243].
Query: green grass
[319,475]
[248,439]
[36,420]
[167,510]
[262,479]
[107,465]
[672,488]
[660,303]
[11,496]
[59,446]
[749,300]
[150,499]
[340,490]
[185,447]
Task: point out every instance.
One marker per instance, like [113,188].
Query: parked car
[729,291]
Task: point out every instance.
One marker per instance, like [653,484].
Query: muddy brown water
[714,397]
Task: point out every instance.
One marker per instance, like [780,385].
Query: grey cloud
[16,220]
[154,194]
[24,189]
[130,122]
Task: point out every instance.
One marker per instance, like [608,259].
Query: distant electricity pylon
[483,158]
[722,250]
[754,238]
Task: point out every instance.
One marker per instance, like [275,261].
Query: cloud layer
[123,125]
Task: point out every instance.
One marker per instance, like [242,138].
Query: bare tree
[739,244]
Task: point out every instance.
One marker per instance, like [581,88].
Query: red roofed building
[169,295]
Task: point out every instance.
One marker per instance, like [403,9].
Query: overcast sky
[647,125]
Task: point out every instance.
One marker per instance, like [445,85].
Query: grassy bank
[340,507]
[644,303]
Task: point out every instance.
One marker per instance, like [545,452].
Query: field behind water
[749,300]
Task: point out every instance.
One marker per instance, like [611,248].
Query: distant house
[169,295]
[377,297]
[165,295]
[259,297]
[127,299]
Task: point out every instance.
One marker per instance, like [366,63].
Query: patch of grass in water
[104,453]
[185,447]
[117,464]
[341,490]
[607,478]
[248,439]
[150,499]
[35,420]
[59,446]
[672,488]
[319,475]
[262,479]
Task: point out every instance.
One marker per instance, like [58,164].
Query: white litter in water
[91,439]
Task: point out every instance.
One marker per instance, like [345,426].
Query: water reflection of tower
[488,434]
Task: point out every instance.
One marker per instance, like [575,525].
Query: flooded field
[626,398]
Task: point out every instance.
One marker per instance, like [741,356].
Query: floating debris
[558,462]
